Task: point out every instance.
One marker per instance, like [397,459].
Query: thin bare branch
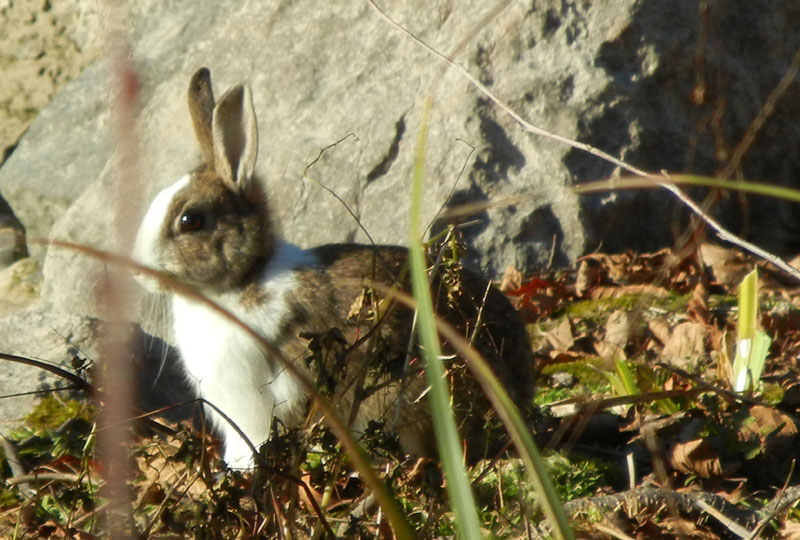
[662,179]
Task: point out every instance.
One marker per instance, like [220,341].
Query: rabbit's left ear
[235,137]
[201,109]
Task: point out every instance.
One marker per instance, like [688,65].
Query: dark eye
[191,220]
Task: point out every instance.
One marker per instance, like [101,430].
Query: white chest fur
[230,369]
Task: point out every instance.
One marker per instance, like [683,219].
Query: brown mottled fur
[229,248]
[328,295]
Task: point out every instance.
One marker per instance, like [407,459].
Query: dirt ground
[43,45]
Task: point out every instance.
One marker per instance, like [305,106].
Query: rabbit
[212,230]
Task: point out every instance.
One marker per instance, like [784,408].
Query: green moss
[51,412]
[588,371]
[772,393]
[600,308]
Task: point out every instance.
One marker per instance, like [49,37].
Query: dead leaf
[532,298]
[695,457]
[660,330]
[560,337]
[587,276]
[512,279]
[609,351]
[685,528]
[697,307]
[613,291]
[674,382]
[790,530]
[358,307]
[728,265]
[724,349]
[619,328]
[563,357]
[775,429]
[686,344]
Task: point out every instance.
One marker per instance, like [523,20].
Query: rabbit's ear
[201,109]
[235,134]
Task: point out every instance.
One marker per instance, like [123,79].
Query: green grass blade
[743,186]
[447,438]
[745,334]
[448,441]
[748,299]
[758,356]
[627,378]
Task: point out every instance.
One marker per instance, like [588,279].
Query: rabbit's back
[373,361]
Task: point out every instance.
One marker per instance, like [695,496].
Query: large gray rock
[313,83]
[661,84]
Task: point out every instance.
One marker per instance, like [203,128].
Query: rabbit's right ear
[201,109]
[235,134]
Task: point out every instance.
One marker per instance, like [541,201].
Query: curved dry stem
[50,368]
[334,421]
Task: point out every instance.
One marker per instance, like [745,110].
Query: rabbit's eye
[191,221]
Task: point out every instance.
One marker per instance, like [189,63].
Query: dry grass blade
[400,525]
[50,368]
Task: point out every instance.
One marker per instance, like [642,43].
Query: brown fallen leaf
[587,276]
[790,530]
[614,291]
[563,357]
[685,528]
[697,307]
[621,327]
[560,337]
[609,351]
[532,298]
[727,265]
[686,344]
[512,279]
[660,330]
[695,457]
[774,428]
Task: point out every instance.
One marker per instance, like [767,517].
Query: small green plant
[575,478]
[752,344]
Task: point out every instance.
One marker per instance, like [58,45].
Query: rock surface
[59,338]
[661,85]
[43,45]
[340,96]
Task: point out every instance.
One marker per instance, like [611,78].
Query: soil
[43,45]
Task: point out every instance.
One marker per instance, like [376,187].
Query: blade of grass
[520,435]
[744,186]
[752,345]
[745,330]
[510,416]
[447,438]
